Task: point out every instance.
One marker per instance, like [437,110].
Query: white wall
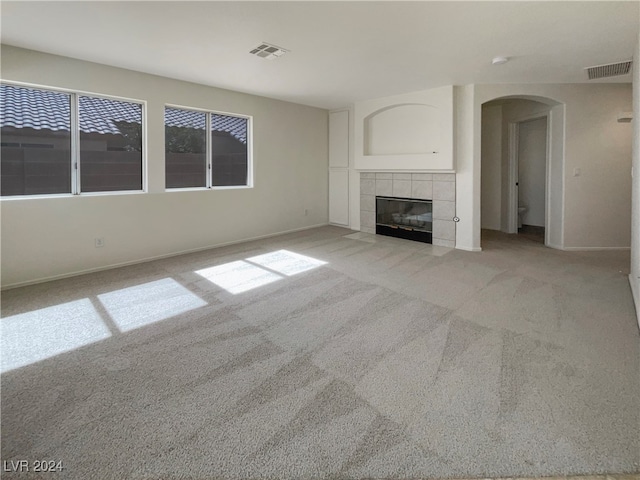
[45,238]
[597,204]
[441,99]
[411,132]
[467,137]
[339,167]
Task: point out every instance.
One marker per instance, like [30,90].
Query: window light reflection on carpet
[238,277]
[286,262]
[33,336]
[147,303]
[244,275]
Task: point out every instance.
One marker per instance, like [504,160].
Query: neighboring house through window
[67,143]
[195,159]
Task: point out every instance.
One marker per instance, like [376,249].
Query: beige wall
[46,238]
[597,204]
[492,171]
[634,277]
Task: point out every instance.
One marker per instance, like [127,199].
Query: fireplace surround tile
[438,187]
[401,188]
[384,176]
[368,203]
[444,190]
[367,186]
[421,189]
[424,177]
[444,177]
[444,230]
[401,176]
[384,187]
[368,219]
[443,210]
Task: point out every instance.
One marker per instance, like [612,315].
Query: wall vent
[609,70]
[268,51]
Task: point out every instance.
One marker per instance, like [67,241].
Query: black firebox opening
[407,218]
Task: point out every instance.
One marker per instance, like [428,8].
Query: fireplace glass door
[405,218]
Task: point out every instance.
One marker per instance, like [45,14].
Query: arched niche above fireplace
[403,129]
[408,132]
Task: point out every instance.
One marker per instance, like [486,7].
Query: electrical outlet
[306,212]
[99,242]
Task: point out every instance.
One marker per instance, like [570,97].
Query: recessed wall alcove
[402,130]
[411,132]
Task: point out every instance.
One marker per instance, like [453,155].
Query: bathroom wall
[532,159]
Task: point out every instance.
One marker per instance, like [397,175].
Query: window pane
[229,154]
[110,145]
[36,141]
[185,148]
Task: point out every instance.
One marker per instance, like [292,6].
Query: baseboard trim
[151,259]
[635,285]
[468,249]
[591,249]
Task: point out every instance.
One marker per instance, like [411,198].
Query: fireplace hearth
[407,218]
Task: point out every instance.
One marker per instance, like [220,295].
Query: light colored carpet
[335,357]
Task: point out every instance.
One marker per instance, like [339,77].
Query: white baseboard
[468,249]
[150,259]
[590,249]
[635,286]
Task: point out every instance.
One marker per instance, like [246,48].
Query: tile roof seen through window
[47,110]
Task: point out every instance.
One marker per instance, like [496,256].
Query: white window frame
[209,168]
[76,164]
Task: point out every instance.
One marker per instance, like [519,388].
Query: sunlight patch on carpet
[33,336]
[238,277]
[147,303]
[286,262]
[253,272]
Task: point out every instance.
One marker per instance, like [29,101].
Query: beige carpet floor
[328,354]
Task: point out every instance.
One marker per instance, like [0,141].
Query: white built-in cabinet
[339,167]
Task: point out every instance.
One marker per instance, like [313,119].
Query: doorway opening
[518,193]
[528,166]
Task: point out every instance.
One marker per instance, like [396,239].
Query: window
[190,153]
[55,142]
[185,148]
[36,141]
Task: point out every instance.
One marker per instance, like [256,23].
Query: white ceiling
[340,52]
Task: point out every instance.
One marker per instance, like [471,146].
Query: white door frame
[514,141]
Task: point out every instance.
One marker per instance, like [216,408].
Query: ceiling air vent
[609,70]
[268,51]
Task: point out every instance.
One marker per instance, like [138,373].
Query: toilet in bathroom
[522,209]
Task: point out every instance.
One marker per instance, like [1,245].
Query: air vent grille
[609,70]
[268,51]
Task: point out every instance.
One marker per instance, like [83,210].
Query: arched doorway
[521,164]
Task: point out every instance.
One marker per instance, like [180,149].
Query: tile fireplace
[439,188]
